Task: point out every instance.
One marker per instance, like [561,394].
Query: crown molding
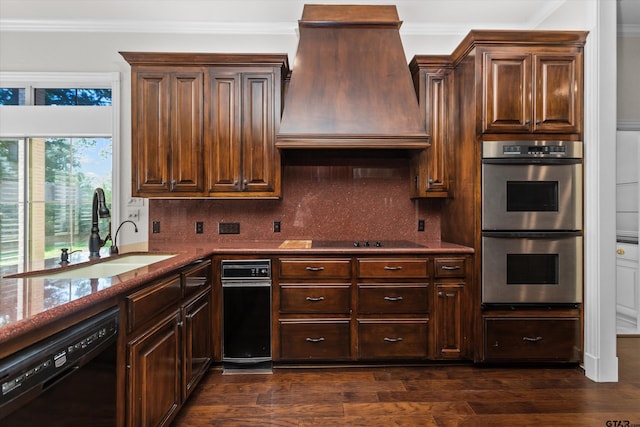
[128,26]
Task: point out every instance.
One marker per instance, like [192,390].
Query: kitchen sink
[107,268]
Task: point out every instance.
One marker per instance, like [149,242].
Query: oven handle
[530,234]
[531,161]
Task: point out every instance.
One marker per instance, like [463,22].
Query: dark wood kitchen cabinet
[431,167]
[532,89]
[392,308]
[452,308]
[373,308]
[168,342]
[241,114]
[204,125]
[507,85]
[313,306]
[531,337]
[167,120]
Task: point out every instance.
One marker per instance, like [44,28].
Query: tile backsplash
[367,201]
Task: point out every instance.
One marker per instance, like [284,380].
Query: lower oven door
[532,268]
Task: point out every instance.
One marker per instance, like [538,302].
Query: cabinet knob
[527,122]
[620,251]
[538,122]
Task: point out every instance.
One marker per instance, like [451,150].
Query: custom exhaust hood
[351,87]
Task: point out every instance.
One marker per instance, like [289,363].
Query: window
[47,177]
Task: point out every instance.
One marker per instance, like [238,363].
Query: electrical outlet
[199,227]
[421,225]
[276,226]
[228,228]
[155,227]
[133,215]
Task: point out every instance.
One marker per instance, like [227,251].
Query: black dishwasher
[246,307]
[67,379]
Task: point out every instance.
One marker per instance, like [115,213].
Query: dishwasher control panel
[246,269]
[50,360]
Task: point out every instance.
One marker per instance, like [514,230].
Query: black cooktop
[366,244]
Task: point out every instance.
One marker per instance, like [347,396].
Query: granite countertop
[29,303]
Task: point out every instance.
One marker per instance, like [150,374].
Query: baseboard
[598,371]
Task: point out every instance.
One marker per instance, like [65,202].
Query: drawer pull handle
[451,267]
[620,251]
[315,268]
[393,299]
[315,299]
[309,339]
[529,339]
[387,339]
[448,294]
[389,268]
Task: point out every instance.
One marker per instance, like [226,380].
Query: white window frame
[23,121]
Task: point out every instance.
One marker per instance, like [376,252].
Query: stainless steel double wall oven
[532,214]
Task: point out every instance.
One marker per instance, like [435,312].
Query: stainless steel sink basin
[107,268]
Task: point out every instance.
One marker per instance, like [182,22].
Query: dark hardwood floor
[420,396]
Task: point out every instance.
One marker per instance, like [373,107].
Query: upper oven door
[521,195]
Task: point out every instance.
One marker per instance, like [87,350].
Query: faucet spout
[114,246]
[99,209]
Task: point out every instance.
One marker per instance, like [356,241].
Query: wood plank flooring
[419,396]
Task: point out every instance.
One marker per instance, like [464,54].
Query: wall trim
[632,125]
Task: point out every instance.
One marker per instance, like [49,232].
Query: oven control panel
[534,149]
[531,149]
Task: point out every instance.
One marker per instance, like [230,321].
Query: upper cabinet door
[507,92]
[151,131]
[223,148]
[558,95]
[533,91]
[167,131]
[259,162]
[187,170]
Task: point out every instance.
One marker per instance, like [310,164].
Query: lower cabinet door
[153,374]
[315,340]
[197,340]
[392,339]
[532,339]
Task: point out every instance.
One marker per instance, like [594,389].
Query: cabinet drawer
[392,268]
[391,298]
[197,278]
[149,302]
[315,340]
[450,267]
[315,268]
[315,299]
[532,339]
[397,339]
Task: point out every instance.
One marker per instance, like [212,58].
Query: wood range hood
[351,87]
